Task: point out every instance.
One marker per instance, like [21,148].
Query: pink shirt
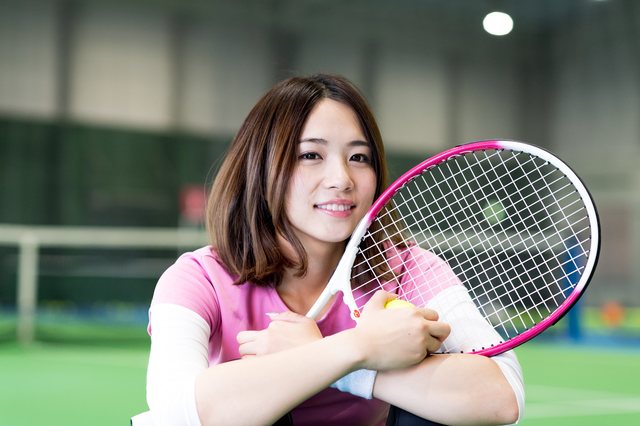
[198,282]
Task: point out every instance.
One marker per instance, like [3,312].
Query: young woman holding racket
[305,167]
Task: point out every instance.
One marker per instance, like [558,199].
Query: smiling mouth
[335,207]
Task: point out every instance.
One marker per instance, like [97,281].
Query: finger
[439,330]
[247,349]
[288,316]
[429,314]
[379,299]
[433,346]
[247,336]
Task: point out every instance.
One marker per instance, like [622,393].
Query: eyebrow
[325,142]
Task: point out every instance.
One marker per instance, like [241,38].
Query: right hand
[287,330]
[397,338]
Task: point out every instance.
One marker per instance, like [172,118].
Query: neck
[300,293]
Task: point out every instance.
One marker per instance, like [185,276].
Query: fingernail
[272,314]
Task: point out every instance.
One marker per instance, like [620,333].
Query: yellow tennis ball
[397,303]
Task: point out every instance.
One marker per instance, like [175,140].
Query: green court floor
[568,385]
[50,385]
[61,384]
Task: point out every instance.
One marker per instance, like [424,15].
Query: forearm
[259,390]
[451,389]
[182,389]
[458,389]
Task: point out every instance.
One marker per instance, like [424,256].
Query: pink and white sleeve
[468,329]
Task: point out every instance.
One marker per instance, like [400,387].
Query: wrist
[354,349]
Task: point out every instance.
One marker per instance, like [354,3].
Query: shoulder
[192,282]
[200,267]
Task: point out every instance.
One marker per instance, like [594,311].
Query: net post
[27,287]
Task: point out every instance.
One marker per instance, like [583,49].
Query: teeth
[335,207]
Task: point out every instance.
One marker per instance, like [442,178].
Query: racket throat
[339,281]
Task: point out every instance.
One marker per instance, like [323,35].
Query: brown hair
[246,209]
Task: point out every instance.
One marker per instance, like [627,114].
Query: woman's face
[333,183]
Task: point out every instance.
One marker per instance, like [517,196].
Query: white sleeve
[508,363]
[179,352]
[471,332]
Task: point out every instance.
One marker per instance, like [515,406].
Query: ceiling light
[498,23]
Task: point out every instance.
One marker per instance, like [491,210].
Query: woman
[302,171]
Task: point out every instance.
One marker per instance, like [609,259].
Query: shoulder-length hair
[246,208]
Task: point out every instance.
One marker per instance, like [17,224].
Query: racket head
[513,222]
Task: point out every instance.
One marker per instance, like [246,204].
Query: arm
[451,389]
[260,389]
[459,389]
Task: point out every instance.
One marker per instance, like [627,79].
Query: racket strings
[565,218]
[468,240]
[503,283]
[537,268]
[488,307]
[543,233]
[540,218]
[395,261]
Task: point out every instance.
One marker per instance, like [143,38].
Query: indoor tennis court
[115,118]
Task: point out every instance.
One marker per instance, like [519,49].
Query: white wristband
[358,383]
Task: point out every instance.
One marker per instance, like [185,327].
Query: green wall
[53,174]
[80,175]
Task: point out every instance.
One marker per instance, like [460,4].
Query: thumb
[379,299]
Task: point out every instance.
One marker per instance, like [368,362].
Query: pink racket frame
[341,279]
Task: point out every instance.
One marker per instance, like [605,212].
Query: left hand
[391,339]
[287,330]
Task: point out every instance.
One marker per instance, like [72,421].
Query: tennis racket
[509,221]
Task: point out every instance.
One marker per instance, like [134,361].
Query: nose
[338,176]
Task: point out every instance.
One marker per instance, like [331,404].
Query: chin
[336,238]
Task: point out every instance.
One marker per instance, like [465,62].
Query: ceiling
[446,15]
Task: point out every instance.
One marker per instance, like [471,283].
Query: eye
[309,156]
[360,158]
